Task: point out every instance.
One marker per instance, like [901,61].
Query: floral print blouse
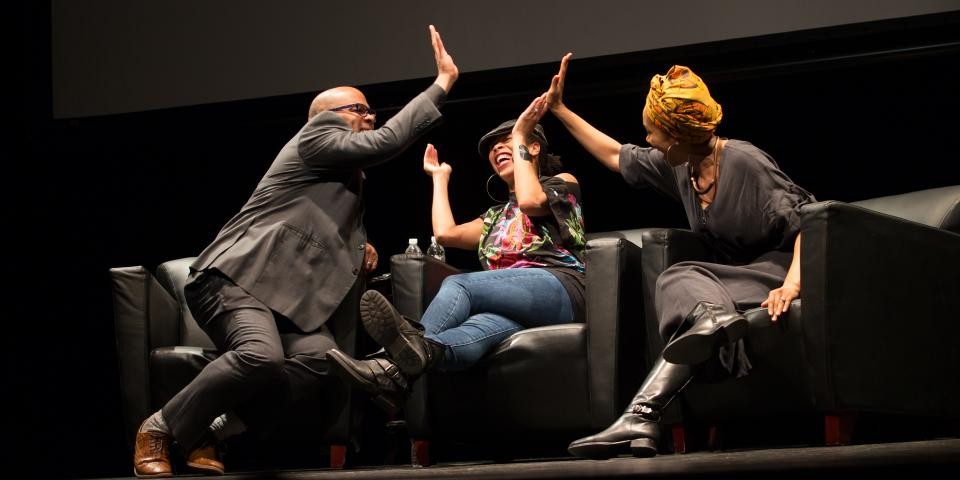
[511,239]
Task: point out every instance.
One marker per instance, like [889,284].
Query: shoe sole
[156,475]
[643,448]
[338,364]
[380,321]
[600,450]
[207,469]
[697,348]
[639,447]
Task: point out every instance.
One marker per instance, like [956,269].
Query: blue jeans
[473,312]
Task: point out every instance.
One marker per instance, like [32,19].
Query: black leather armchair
[161,348]
[875,332]
[541,387]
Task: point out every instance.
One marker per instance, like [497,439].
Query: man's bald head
[338,97]
[335,97]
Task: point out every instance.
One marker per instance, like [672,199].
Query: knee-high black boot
[712,326]
[638,429]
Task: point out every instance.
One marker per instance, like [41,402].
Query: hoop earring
[488,189]
[666,155]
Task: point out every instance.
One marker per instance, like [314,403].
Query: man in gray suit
[279,269]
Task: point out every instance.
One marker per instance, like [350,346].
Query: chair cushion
[538,376]
[172,368]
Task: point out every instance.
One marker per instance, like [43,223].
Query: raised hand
[530,117]
[447,71]
[554,96]
[432,165]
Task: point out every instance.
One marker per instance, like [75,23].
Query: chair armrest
[138,299]
[880,317]
[936,207]
[663,247]
[415,280]
[622,335]
[615,346]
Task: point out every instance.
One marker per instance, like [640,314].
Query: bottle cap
[433,239]
[412,241]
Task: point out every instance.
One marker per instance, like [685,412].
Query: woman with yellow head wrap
[736,196]
[680,104]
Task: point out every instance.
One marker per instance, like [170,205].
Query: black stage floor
[914,459]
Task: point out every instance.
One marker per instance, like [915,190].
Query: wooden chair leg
[679,439]
[714,440]
[338,456]
[838,427]
[420,453]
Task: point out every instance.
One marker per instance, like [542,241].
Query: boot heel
[736,330]
[643,447]
[386,403]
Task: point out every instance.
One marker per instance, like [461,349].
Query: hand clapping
[431,163]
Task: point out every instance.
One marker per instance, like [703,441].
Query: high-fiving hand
[554,96]
[447,71]
[530,117]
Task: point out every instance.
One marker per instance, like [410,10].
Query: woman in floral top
[531,249]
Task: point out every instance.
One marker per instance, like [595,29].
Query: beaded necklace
[716,160]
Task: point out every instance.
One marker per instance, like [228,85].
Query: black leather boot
[380,377]
[401,337]
[712,326]
[638,429]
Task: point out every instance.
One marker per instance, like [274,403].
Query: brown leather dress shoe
[151,455]
[206,458]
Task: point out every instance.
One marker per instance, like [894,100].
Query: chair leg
[838,427]
[679,439]
[338,456]
[714,438]
[420,453]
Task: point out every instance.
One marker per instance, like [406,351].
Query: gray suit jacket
[298,243]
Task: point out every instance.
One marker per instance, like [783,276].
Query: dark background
[849,113]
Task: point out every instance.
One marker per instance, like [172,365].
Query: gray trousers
[266,364]
[736,287]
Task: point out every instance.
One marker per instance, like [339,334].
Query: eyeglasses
[358,108]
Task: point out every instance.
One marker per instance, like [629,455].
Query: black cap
[483,147]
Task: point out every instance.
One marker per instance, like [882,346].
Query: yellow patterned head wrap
[681,105]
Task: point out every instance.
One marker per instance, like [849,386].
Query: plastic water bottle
[412,248]
[435,250]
